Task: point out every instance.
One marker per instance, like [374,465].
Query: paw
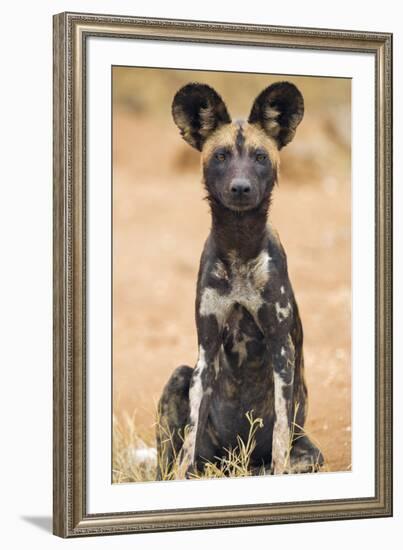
[306,457]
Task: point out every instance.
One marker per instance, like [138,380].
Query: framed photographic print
[222,274]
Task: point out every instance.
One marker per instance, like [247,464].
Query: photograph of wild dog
[231,274]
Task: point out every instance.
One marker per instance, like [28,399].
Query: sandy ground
[160,224]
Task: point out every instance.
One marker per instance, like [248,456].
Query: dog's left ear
[278,110]
[198,110]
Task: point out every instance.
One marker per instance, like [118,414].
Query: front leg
[275,323]
[283,361]
[211,313]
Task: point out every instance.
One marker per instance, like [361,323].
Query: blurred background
[160,223]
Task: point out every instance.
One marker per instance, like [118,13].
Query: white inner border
[104,497]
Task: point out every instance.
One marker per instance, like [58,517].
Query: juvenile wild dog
[250,339]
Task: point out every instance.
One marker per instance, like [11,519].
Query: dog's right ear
[198,110]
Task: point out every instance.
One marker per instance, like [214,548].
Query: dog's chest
[246,280]
[236,282]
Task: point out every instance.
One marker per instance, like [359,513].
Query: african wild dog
[249,331]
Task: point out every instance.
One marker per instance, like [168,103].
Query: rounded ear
[198,110]
[278,110]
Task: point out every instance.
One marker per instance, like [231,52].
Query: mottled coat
[250,339]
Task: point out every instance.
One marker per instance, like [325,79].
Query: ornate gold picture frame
[72,32]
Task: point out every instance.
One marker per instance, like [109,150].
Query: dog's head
[240,159]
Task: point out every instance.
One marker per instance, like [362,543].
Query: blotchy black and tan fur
[250,339]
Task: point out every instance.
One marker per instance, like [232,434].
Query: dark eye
[261,157]
[220,157]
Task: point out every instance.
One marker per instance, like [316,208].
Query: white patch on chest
[256,270]
[247,281]
[214,303]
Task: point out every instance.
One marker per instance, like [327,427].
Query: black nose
[240,186]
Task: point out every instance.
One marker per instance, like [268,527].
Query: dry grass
[134,455]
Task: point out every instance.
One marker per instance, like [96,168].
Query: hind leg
[173,413]
[305,456]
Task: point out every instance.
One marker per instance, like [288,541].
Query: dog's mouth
[240,208]
[240,204]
